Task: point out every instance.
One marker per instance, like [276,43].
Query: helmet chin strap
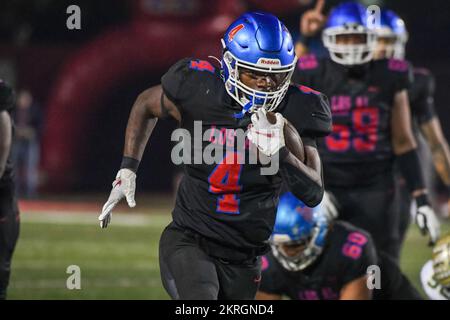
[247,107]
[244,110]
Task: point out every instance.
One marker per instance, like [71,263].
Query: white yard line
[91,218]
[86,283]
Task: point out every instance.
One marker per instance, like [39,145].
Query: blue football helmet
[297,224]
[349,18]
[391,26]
[258,42]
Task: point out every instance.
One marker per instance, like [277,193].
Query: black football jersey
[347,254]
[359,149]
[421,95]
[230,201]
[7,104]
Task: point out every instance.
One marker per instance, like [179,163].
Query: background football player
[371,128]
[392,39]
[316,258]
[224,213]
[9,213]
[435,274]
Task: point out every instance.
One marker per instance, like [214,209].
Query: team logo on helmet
[233,31]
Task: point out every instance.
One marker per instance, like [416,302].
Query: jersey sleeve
[422,106]
[174,82]
[359,253]
[270,282]
[184,79]
[6,97]
[309,112]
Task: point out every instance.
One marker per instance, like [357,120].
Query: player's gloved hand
[268,137]
[123,187]
[428,222]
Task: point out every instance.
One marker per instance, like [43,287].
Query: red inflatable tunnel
[91,72]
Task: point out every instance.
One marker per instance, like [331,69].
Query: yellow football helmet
[441,261]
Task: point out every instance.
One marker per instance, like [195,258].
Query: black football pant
[374,209]
[394,284]
[9,232]
[189,273]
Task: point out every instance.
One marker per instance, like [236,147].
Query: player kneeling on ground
[315,258]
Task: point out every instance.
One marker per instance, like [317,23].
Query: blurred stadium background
[86,81]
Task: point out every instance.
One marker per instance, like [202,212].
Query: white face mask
[251,99]
[349,54]
[304,258]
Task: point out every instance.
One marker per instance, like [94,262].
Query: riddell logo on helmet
[270,62]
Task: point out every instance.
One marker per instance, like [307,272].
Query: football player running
[435,274]
[316,258]
[9,212]
[392,39]
[371,128]
[224,212]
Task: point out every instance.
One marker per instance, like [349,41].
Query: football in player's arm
[225,211]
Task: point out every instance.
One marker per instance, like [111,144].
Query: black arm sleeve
[300,183]
[409,165]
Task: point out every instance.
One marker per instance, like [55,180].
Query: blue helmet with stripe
[298,225]
[259,42]
[349,18]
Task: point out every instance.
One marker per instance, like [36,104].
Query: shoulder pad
[309,111]
[398,72]
[308,62]
[424,76]
[180,80]
[307,90]
[398,65]
[422,71]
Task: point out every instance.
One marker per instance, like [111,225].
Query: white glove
[269,138]
[123,187]
[428,223]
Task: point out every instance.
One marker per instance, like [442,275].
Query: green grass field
[118,263]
